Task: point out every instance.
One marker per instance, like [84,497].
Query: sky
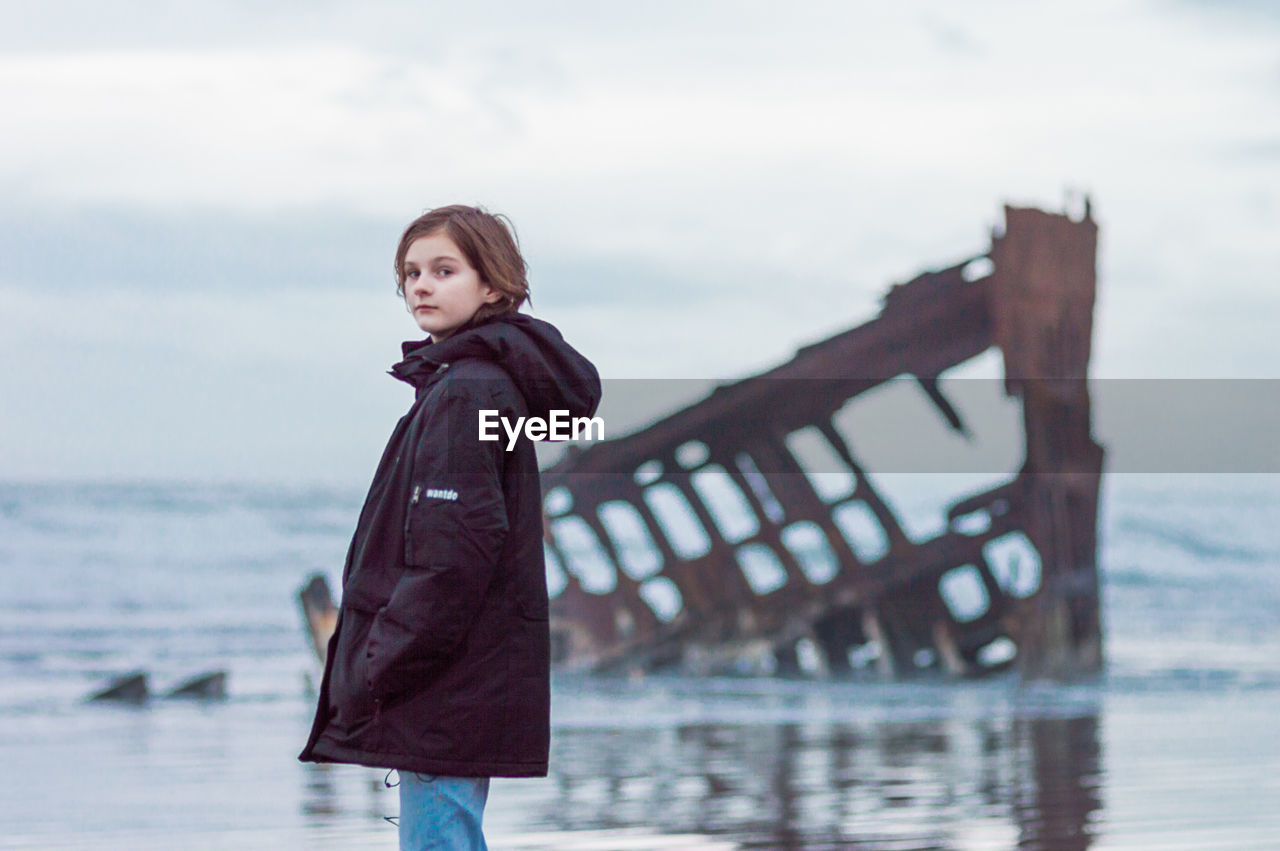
[199,207]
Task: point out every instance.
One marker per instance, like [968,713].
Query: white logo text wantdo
[560,427]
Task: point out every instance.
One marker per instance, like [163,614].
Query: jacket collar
[421,359]
[549,372]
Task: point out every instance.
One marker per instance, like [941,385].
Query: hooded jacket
[440,659]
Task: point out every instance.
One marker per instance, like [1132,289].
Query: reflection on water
[1054,809]
[904,785]
[328,800]
[321,798]
[930,784]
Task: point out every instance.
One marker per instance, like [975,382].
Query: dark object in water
[318,613]
[130,688]
[633,594]
[210,686]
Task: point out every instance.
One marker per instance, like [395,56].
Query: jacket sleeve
[455,527]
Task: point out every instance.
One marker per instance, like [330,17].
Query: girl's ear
[490,295]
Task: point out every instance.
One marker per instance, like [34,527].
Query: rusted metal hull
[707,543]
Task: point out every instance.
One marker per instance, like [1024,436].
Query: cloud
[954,38]
[1244,12]
[45,246]
[1260,150]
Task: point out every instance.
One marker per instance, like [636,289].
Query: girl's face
[441,289]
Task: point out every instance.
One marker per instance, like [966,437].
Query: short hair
[489,243]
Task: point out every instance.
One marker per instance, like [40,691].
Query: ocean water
[1175,747]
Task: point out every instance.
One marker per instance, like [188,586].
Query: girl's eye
[443,272]
[413,274]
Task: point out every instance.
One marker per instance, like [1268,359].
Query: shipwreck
[712,542]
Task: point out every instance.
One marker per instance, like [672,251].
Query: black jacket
[440,660]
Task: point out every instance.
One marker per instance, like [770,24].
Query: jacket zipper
[417,492]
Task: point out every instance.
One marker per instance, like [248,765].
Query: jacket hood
[550,374]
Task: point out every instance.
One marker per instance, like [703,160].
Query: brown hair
[488,242]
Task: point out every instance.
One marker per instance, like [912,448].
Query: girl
[439,665]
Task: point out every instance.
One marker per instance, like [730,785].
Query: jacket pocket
[465,524]
[353,710]
[368,592]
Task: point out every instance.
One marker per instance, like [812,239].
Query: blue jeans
[441,812]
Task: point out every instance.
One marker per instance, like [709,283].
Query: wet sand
[681,764]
